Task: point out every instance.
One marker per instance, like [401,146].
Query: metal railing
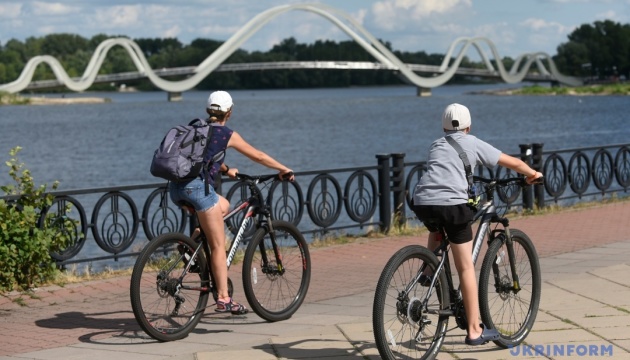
[123,219]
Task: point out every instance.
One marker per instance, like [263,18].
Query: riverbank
[587,90]
[15,99]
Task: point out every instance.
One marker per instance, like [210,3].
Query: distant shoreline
[587,90]
[66,101]
[15,99]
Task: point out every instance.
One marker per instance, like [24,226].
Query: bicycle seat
[186,206]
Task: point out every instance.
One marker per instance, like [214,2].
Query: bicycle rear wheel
[512,312]
[276,292]
[405,327]
[167,301]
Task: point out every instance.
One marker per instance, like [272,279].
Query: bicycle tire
[276,294]
[154,285]
[512,314]
[395,317]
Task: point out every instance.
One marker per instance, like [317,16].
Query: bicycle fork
[268,267]
[506,237]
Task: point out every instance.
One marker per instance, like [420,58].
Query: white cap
[456,117]
[220,100]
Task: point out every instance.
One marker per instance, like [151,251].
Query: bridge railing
[321,202]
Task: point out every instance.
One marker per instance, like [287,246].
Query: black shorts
[455,219]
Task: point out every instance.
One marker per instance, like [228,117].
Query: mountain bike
[410,315]
[172,276]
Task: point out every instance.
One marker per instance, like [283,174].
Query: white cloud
[118,16]
[399,14]
[215,31]
[158,12]
[579,1]
[46,9]
[10,11]
[543,25]
[608,15]
[171,32]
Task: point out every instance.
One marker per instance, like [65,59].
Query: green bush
[25,260]
[12,99]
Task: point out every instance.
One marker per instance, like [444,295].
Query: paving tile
[585,301]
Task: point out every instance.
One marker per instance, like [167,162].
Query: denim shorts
[193,193]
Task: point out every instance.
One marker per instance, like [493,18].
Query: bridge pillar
[423,92]
[174,96]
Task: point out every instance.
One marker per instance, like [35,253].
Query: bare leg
[225,207]
[435,238]
[468,281]
[224,204]
[211,221]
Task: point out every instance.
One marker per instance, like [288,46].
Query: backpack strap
[464,157]
[206,166]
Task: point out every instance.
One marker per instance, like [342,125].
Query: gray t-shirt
[444,182]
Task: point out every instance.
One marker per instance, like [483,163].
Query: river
[110,144]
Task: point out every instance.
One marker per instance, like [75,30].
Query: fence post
[398,187]
[526,156]
[385,212]
[537,162]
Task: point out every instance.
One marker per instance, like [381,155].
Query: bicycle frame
[251,209]
[487,214]
[254,206]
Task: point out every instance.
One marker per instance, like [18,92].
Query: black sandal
[231,307]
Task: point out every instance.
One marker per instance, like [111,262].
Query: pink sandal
[231,307]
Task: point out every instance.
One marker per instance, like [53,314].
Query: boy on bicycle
[441,200]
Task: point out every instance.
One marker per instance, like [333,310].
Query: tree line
[598,50]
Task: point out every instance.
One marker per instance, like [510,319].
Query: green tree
[604,45]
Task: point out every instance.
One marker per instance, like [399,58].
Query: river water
[111,144]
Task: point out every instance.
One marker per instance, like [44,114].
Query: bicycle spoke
[510,311]
[407,324]
[167,300]
[275,287]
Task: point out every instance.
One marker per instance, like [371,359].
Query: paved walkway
[585,306]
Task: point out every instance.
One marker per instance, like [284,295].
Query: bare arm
[237,142]
[520,167]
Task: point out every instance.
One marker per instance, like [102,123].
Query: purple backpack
[180,155]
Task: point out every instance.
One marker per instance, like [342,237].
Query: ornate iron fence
[123,219]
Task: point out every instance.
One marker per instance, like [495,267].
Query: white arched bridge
[385,59]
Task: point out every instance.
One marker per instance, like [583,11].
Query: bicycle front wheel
[275,284]
[407,322]
[167,300]
[510,310]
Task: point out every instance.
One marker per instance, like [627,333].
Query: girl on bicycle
[441,199]
[211,207]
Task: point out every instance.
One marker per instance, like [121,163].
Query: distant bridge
[214,62]
[278,65]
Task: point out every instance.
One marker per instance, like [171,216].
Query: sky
[515,27]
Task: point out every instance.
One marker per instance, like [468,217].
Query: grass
[74,275]
[12,99]
[604,89]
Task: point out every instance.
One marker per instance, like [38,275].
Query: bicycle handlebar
[519,180]
[261,178]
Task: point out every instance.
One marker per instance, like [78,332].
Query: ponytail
[216,115]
